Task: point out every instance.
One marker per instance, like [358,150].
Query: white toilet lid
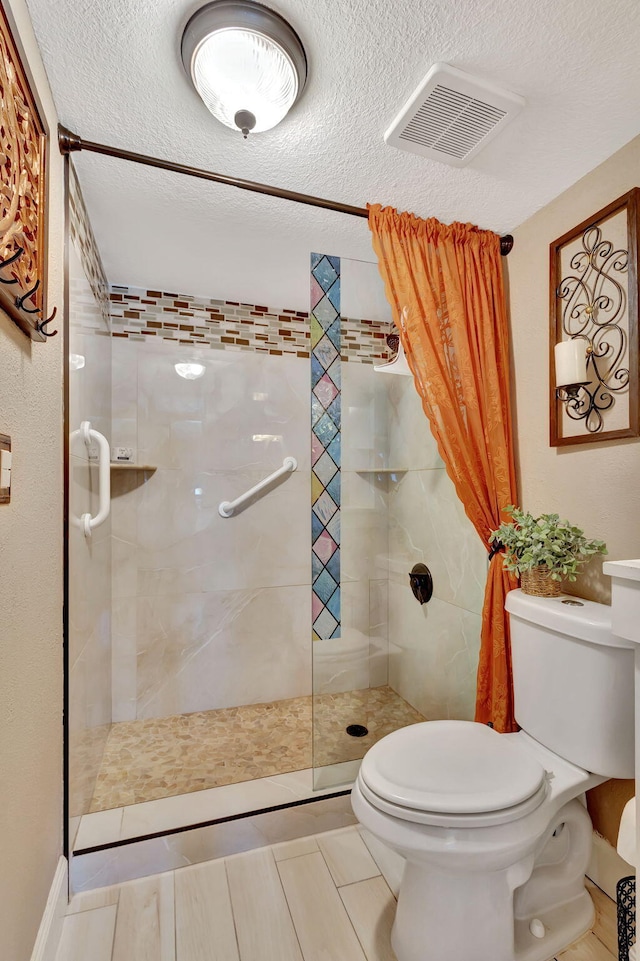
[454,767]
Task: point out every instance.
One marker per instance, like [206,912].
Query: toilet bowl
[495,839]
[472,812]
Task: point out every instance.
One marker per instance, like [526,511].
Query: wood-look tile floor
[330,896]
[160,757]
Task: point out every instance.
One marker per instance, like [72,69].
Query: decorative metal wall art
[594,302]
[23,229]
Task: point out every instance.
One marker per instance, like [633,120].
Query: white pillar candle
[571,362]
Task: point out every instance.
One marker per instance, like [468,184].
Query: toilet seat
[452,773]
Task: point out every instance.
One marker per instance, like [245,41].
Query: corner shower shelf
[381,470]
[145,467]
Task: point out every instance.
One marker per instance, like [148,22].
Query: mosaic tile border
[139,314]
[326,398]
[365,341]
[83,238]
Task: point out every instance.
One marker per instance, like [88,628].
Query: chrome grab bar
[87,522]
[227,508]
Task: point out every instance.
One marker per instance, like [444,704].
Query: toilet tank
[573,681]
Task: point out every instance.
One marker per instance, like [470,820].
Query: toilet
[493,827]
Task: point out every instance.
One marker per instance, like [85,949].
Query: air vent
[452,116]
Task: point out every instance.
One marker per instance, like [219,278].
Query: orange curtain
[445,286]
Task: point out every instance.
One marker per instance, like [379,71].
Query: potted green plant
[543,550]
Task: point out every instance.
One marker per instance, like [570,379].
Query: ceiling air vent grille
[452,116]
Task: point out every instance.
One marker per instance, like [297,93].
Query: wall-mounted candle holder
[571,359]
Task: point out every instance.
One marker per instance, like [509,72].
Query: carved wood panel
[23,232]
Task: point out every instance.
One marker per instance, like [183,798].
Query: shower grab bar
[88,434]
[227,508]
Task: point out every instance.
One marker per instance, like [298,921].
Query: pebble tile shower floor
[161,757]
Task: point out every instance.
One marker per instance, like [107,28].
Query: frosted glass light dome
[246,63]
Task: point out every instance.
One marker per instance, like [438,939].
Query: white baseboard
[606,867]
[50,928]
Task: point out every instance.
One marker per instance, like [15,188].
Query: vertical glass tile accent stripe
[325,445]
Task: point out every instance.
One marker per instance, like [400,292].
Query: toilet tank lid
[572,616]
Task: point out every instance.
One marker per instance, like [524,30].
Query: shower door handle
[88,434]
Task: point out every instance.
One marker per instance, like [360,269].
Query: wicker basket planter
[540,583]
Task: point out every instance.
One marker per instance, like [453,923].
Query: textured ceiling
[116,76]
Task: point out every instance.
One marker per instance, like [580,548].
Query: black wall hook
[421,583]
[40,326]
[19,302]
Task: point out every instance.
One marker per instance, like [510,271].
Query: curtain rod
[70,143]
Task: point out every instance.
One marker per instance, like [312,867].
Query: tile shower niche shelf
[128,477]
[144,467]
[381,470]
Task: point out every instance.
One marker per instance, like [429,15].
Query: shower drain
[357,730]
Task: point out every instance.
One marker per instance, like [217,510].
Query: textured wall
[364,63]
[31,602]
[595,485]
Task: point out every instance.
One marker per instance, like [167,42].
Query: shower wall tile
[341,663]
[125,500]
[379,632]
[358,658]
[90,384]
[427,524]
[88,583]
[174,556]
[124,659]
[355,602]
[124,380]
[411,443]
[124,431]
[212,438]
[85,246]
[222,649]
[365,547]
[246,411]
[365,437]
[433,655]
[184,552]
[89,606]
[433,648]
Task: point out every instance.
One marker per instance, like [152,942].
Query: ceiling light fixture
[246,62]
